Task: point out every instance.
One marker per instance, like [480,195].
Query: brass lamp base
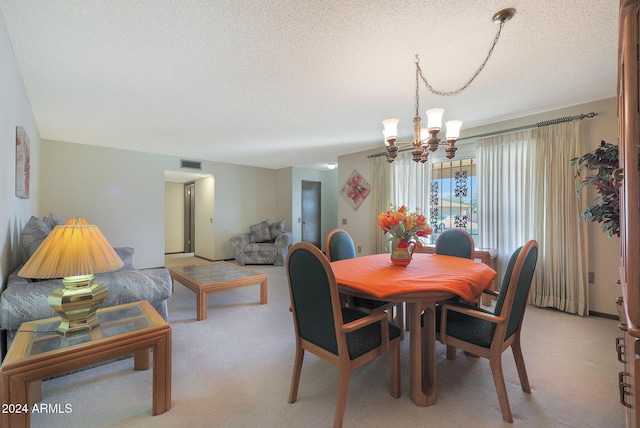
[77,303]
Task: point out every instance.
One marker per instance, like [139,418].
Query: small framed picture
[356,189]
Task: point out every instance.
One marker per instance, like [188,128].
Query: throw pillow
[276,229]
[260,232]
[52,221]
[32,235]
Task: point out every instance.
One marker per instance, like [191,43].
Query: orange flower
[400,223]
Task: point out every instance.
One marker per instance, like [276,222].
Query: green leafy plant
[598,167]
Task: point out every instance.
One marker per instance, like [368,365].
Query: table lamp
[75,252]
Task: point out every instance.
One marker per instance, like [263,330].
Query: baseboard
[603,315]
[212,260]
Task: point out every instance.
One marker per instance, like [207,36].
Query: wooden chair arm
[491,292]
[364,321]
[370,319]
[471,312]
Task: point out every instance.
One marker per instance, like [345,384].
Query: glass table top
[44,337]
[214,272]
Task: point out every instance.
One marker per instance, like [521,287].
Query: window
[453,197]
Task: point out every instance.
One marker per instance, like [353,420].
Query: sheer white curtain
[526,190]
[380,193]
[403,182]
[505,190]
[410,183]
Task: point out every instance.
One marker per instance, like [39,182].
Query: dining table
[427,280]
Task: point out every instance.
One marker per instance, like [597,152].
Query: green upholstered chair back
[522,284]
[506,279]
[311,299]
[340,246]
[455,242]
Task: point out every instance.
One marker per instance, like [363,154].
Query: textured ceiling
[278,83]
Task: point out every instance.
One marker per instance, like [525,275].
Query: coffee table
[38,352]
[207,278]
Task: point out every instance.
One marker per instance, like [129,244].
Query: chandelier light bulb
[453,129]
[390,128]
[434,118]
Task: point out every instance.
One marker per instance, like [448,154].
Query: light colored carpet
[234,369]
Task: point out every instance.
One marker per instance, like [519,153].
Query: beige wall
[604,253]
[123,192]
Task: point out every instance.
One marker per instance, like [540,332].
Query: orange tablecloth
[377,276]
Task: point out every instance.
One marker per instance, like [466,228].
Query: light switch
[344,221]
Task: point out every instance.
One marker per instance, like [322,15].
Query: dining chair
[488,334]
[455,242]
[340,246]
[345,337]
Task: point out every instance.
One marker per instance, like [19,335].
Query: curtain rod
[506,131]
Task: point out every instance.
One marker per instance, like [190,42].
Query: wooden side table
[488,256]
[38,352]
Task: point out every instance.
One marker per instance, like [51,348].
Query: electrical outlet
[592,278]
[359,249]
[344,221]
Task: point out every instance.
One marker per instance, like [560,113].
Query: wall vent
[190,164]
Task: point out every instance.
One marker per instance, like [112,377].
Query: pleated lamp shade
[74,252]
[76,248]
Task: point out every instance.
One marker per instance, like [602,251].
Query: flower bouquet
[404,225]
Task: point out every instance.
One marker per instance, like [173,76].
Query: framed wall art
[356,189]
[23,163]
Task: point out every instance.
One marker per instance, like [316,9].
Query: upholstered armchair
[264,244]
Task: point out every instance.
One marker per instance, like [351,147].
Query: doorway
[311,214]
[189,210]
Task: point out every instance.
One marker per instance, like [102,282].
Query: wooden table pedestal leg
[422,354]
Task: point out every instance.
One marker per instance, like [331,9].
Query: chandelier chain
[417,87]
[466,85]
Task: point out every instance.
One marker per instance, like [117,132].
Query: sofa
[265,243]
[27,300]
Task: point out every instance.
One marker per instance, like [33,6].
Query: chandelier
[425,140]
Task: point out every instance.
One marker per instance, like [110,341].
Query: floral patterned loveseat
[264,244]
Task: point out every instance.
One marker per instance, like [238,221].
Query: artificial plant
[598,167]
